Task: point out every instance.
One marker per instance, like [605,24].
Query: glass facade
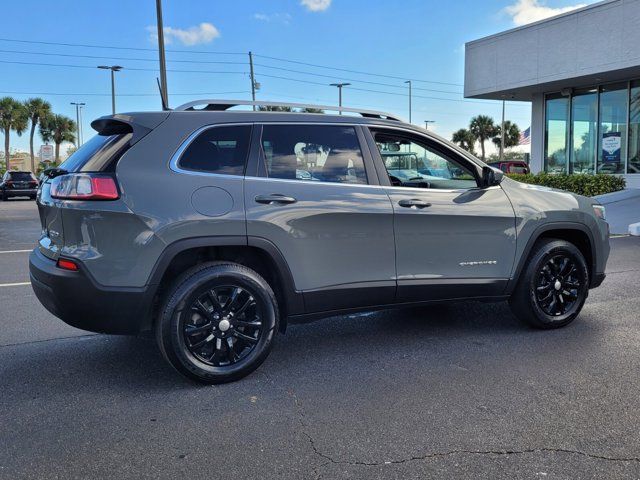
[594,130]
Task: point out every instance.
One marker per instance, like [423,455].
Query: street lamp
[113,68]
[339,85]
[409,82]
[427,122]
[163,63]
[78,105]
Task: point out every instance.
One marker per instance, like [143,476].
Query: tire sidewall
[170,331]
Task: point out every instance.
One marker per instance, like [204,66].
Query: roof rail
[222,105]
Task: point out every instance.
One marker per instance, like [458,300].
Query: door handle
[414,203]
[274,199]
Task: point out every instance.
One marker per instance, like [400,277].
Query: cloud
[316,5]
[283,18]
[528,11]
[196,35]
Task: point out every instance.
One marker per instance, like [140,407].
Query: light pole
[78,107]
[409,82]
[113,68]
[163,62]
[339,85]
[427,122]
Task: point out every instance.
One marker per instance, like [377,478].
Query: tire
[546,297]
[3,196]
[32,197]
[229,350]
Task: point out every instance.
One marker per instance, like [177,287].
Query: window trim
[367,160]
[174,162]
[437,146]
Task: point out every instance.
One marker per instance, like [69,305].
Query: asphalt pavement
[456,391]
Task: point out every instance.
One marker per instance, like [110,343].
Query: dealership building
[581,73]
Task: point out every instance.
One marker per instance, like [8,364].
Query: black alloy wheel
[558,285]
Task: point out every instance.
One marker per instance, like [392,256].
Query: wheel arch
[256,253]
[575,233]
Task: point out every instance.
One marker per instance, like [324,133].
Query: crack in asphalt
[303,422]
[48,340]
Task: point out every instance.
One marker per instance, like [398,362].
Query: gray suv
[215,227]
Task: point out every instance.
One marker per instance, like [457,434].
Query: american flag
[525,137]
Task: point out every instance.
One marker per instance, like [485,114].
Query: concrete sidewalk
[623,209]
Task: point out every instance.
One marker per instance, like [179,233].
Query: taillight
[84,186]
[9,183]
[33,184]
[67,265]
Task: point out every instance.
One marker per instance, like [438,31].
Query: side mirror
[491,176]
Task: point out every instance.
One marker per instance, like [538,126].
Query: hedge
[580,183]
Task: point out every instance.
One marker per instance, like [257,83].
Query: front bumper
[78,300]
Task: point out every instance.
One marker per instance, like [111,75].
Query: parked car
[512,166]
[18,184]
[240,244]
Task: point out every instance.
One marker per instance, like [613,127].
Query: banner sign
[46,153]
[611,144]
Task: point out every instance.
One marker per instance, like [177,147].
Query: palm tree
[511,135]
[12,117]
[273,108]
[483,129]
[465,139]
[37,109]
[58,129]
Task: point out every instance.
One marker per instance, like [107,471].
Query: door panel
[453,239]
[314,204]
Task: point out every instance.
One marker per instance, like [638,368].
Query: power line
[209,52]
[101,57]
[79,95]
[357,71]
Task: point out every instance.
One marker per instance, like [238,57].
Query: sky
[305,43]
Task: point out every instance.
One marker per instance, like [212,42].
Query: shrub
[580,183]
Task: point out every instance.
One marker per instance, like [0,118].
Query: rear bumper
[78,300]
[21,193]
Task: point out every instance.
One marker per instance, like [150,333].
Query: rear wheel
[553,287]
[218,322]
[3,195]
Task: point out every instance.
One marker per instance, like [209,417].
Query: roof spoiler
[139,125]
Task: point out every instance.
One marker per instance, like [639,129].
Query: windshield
[97,154]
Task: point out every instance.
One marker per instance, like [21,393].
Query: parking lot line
[18,284]
[14,251]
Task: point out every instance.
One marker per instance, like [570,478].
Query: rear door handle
[414,203]
[275,199]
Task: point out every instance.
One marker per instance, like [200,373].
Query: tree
[58,129]
[464,139]
[511,135]
[36,109]
[311,110]
[270,108]
[13,116]
[483,129]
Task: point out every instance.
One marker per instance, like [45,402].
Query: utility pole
[427,122]
[502,133]
[81,129]
[409,82]
[253,80]
[162,59]
[339,85]
[113,68]
[78,107]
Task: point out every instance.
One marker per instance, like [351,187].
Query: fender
[294,304]
[537,233]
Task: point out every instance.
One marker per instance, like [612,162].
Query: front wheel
[553,285]
[218,322]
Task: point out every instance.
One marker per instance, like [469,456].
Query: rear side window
[221,150]
[100,154]
[316,153]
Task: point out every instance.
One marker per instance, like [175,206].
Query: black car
[18,184]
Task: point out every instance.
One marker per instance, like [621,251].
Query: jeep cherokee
[214,227]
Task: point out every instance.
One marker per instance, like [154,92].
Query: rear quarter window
[220,150]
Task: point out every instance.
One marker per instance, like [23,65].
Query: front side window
[316,153]
[220,150]
[412,163]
